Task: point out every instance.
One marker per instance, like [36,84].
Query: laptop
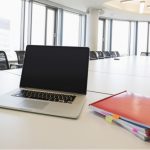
[53,81]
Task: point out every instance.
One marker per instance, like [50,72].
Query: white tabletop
[27,130]
[115,83]
[129,65]
[113,76]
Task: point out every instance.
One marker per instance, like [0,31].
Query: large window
[50,34]
[38,24]
[42,27]
[71,29]
[142,37]
[24,22]
[107,35]
[120,37]
[149,38]
[10,25]
[43,23]
[26,35]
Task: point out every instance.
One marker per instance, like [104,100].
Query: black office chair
[3,61]
[100,55]
[117,53]
[113,54]
[106,54]
[93,55]
[144,54]
[20,58]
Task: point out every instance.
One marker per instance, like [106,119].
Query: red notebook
[128,106]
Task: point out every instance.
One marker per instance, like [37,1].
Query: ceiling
[111,8]
[81,4]
[132,6]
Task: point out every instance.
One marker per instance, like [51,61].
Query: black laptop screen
[56,68]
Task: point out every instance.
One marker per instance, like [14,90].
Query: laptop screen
[56,68]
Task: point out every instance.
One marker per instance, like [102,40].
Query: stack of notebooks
[129,110]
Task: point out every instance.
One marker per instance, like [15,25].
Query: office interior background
[102,25]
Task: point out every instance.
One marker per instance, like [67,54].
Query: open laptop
[53,81]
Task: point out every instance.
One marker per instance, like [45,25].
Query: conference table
[112,76]
[22,130]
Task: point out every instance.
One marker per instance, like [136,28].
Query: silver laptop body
[51,72]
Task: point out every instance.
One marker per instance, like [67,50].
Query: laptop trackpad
[34,104]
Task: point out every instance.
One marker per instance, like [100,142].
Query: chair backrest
[117,53]
[145,54]
[100,54]
[93,55]
[106,54]
[3,61]
[113,54]
[20,56]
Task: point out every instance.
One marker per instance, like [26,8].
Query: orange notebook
[128,106]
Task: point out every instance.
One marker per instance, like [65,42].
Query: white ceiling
[81,4]
[112,8]
[130,6]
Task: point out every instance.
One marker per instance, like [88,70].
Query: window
[38,24]
[142,37]
[24,22]
[50,27]
[71,29]
[100,35]
[120,37]
[83,30]
[107,35]
[149,38]
[26,27]
[10,26]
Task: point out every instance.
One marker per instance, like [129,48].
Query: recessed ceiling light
[124,1]
[148,6]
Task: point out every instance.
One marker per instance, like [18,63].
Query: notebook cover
[129,106]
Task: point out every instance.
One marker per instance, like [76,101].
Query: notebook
[139,131]
[129,106]
[53,81]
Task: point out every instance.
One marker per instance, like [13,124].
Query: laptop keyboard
[46,96]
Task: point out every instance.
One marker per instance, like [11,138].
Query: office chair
[100,55]
[20,59]
[144,54]
[93,55]
[106,54]
[20,56]
[3,61]
[117,53]
[113,54]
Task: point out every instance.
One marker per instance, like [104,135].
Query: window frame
[58,22]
